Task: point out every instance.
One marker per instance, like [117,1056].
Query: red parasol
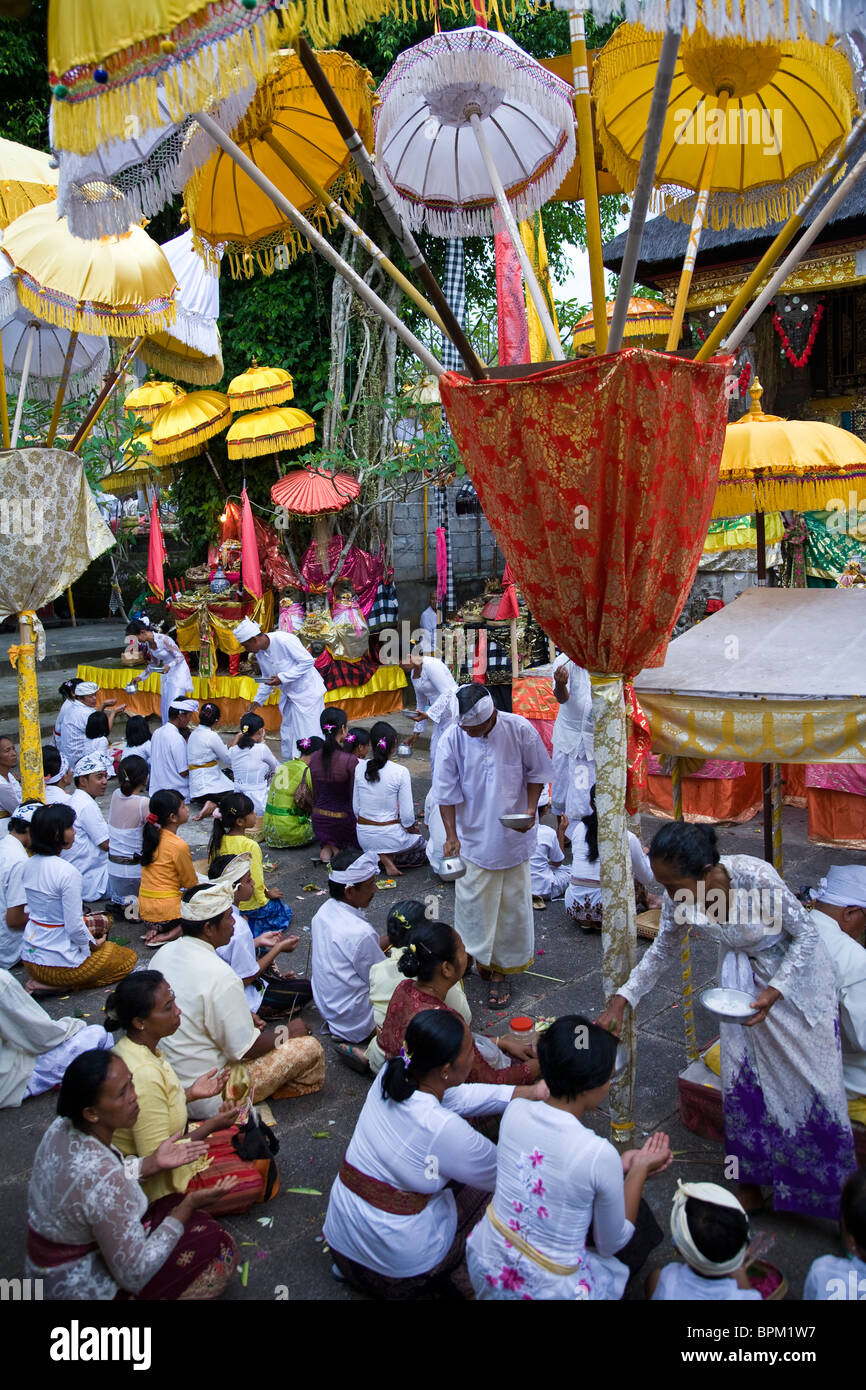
[315,491]
[598,478]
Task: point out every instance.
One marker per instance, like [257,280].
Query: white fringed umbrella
[191,349]
[753,20]
[470,127]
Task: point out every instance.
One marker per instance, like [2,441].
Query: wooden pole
[767,810]
[535,291]
[318,242]
[4,402]
[784,238]
[761,547]
[357,232]
[22,389]
[425,537]
[216,472]
[108,388]
[586,150]
[388,208]
[705,183]
[61,389]
[644,186]
[71,602]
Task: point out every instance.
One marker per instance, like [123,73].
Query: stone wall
[408,552]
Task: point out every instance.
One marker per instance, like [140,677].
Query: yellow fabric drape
[532,236]
[757,731]
[386,679]
[189,639]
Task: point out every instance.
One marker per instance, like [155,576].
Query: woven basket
[648,923]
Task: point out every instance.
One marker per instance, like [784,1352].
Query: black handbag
[257,1143]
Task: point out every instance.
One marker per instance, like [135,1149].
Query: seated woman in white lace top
[90,1232]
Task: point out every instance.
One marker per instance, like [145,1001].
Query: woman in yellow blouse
[233,817]
[143,1008]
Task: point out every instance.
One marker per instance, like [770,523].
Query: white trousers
[493,915]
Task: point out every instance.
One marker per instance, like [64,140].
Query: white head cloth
[479,711]
[207,903]
[91,762]
[58,776]
[844,886]
[364,867]
[27,810]
[234,871]
[682,1236]
[86,688]
[245,630]
[185,706]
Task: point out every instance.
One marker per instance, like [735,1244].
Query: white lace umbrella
[147,169]
[471,126]
[755,20]
[191,350]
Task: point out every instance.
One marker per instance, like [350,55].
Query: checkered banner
[454,286]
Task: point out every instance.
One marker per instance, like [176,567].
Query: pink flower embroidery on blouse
[510,1279]
[518,1206]
[538,1188]
[543,1213]
[515,1225]
[536,1158]
[492,1280]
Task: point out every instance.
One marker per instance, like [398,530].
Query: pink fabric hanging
[156,554]
[510,306]
[441,564]
[251,570]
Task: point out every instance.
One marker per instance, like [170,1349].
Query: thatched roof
[664,242]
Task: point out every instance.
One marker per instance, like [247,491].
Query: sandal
[498,994]
[349,1054]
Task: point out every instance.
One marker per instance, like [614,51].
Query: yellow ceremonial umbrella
[648,321]
[260,386]
[748,126]
[26,180]
[165,352]
[137,470]
[181,430]
[286,129]
[270,432]
[146,401]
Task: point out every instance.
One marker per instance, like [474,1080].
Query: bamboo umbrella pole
[360,235]
[586,150]
[61,390]
[535,291]
[644,186]
[4,402]
[108,388]
[32,780]
[792,260]
[318,242]
[705,183]
[25,373]
[784,239]
[216,472]
[388,208]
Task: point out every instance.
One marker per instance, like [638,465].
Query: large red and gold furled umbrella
[598,477]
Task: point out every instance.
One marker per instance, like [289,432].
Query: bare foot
[327,854]
[751,1196]
[159,938]
[37,990]
[499,992]
[207,810]
[390,867]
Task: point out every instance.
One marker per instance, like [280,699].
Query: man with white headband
[72,740]
[89,850]
[57,774]
[839,913]
[490,764]
[169,760]
[217,1028]
[345,948]
[13,900]
[285,662]
[710,1230]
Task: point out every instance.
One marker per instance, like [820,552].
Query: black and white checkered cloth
[386,609]
[454,286]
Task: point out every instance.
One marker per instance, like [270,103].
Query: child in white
[835,1278]
[126,816]
[549,879]
[710,1230]
[253,763]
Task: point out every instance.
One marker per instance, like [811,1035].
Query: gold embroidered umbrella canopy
[285,130]
[647,321]
[270,431]
[260,386]
[748,127]
[181,430]
[146,401]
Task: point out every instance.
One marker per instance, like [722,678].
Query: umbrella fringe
[86,317]
[634,328]
[89,220]
[79,383]
[15,204]
[755,207]
[767,20]
[196,332]
[483,217]
[92,114]
[278,394]
[270,444]
[8,296]
[195,437]
[796,491]
[207,372]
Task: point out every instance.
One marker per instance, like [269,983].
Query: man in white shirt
[429,623]
[435,693]
[89,850]
[169,761]
[13,899]
[491,764]
[285,662]
[839,913]
[217,1028]
[57,774]
[573,748]
[345,948]
[35,1050]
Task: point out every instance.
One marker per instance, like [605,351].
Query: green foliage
[284,320]
[24,78]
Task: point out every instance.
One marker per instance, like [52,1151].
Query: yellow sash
[515,1239]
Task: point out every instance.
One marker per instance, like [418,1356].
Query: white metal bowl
[733,1005]
[517,821]
[403,750]
[451,869]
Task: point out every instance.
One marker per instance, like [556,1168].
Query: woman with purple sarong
[786,1119]
[332,773]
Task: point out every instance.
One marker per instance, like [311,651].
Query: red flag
[156,554]
[508,607]
[251,570]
